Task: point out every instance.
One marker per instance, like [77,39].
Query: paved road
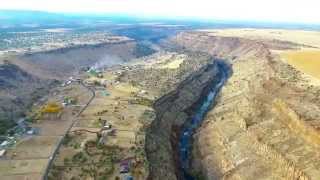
[54,153]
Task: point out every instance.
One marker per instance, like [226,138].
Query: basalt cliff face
[229,48]
[172,111]
[175,108]
[266,122]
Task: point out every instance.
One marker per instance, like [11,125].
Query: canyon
[264,124]
[204,105]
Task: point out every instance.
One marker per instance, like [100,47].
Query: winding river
[185,141]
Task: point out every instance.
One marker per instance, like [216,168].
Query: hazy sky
[270,10]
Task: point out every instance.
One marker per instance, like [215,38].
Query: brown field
[33,176]
[310,38]
[18,167]
[37,147]
[305,61]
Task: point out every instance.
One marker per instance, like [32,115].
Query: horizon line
[158,17]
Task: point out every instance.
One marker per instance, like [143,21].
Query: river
[185,141]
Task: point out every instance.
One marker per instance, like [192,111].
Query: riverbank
[187,131]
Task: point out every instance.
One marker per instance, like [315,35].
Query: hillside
[64,62]
[19,89]
[26,78]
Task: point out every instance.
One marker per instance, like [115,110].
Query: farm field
[309,38]
[305,61]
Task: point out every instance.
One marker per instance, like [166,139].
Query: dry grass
[306,61]
[311,38]
[34,148]
[14,167]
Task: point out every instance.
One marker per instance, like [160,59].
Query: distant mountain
[15,17]
[35,19]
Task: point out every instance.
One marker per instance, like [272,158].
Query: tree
[51,109]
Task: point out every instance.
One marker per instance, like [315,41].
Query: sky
[306,11]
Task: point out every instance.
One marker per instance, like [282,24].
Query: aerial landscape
[136,90]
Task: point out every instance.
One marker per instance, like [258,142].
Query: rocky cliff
[172,112]
[222,47]
[264,125]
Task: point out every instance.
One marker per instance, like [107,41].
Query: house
[30,132]
[106,125]
[125,165]
[2,152]
[142,92]
[4,143]
[124,168]
[104,82]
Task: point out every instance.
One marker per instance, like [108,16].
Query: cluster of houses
[70,80]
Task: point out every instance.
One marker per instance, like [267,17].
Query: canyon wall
[264,125]
[61,63]
[172,111]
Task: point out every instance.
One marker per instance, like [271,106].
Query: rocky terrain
[265,124]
